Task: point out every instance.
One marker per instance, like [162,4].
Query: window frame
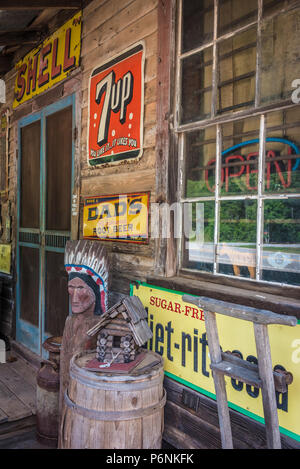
[258,110]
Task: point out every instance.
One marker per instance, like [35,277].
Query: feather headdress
[89,261]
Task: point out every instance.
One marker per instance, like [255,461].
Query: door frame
[24,329]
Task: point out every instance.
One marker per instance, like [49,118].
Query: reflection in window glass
[283,152]
[197,86]
[240,149]
[237,70]
[235,14]
[199,254]
[281,251]
[280,56]
[237,242]
[198,23]
[200,164]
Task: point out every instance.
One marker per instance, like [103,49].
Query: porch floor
[17,389]
[18,403]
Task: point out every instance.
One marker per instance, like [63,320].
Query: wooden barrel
[114,411]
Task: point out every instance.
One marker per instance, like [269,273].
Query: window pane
[281,252]
[199,253]
[198,23]
[283,152]
[235,14]
[280,56]
[200,163]
[237,70]
[237,248]
[240,149]
[196,86]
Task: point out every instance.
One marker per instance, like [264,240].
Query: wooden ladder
[225,364]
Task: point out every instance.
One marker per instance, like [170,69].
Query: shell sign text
[49,63]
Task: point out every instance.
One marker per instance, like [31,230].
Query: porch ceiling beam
[39,4]
[5,63]
[10,38]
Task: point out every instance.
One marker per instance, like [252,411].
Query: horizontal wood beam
[5,63]
[12,38]
[39,4]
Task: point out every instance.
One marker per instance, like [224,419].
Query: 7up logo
[116,102]
[117,96]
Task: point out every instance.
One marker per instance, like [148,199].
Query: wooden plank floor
[17,389]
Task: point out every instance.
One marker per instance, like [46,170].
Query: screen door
[44,206]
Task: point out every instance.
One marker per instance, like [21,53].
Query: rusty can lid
[53,344]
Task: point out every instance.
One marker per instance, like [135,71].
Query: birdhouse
[122,331]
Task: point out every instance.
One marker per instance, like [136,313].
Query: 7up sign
[116,98]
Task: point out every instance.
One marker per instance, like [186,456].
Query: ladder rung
[241,373]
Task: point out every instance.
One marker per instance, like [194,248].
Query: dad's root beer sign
[179,335]
[121,217]
[116,100]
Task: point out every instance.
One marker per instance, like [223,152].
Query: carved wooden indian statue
[87,265]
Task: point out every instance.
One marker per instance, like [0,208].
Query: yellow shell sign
[179,335]
[49,63]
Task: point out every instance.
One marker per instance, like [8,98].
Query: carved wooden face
[81,295]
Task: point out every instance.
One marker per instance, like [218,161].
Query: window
[239,137]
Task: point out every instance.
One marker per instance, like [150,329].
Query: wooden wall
[110,27]
[8,213]
[9,201]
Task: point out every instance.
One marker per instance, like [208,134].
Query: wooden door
[44,225]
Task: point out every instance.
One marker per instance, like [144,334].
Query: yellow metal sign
[49,63]
[5,258]
[121,217]
[179,336]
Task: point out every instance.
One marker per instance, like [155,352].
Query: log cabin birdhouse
[122,331]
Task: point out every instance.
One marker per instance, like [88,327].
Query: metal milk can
[47,395]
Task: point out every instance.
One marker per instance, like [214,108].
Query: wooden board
[16,383]
[150,360]
[17,390]
[13,407]
[95,365]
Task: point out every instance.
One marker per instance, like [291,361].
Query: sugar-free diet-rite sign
[116,108]
[179,335]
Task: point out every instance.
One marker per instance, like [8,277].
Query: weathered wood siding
[110,27]
[9,202]
[8,213]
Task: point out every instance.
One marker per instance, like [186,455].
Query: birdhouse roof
[133,311]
